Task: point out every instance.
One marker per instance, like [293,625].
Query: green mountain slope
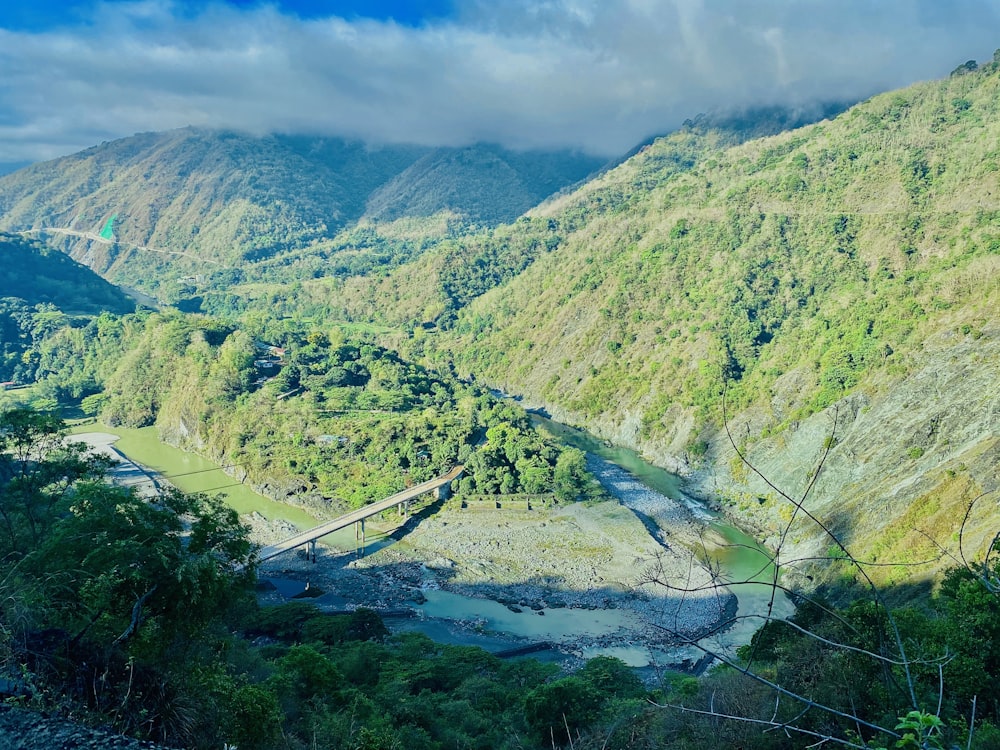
[840,264]
[434,287]
[486,185]
[37,274]
[209,205]
[41,291]
[198,198]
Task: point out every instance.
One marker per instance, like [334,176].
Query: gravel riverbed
[629,554]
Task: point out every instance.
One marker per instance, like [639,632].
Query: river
[743,564]
[190,472]
[739,557]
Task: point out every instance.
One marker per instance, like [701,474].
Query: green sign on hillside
[108,232]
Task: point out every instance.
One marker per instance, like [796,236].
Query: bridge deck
[310,535]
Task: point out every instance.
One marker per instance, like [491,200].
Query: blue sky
[594,75]
[37,15]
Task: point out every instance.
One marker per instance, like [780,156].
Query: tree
[122,567]
[569,479]
[38,471]
[109,599]
[233,368]
[557,710]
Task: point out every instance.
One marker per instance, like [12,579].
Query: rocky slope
[910,454]
[21,729]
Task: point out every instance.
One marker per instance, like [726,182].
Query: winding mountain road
[105,241]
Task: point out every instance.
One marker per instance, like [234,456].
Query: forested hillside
[484,185]
[853,258]
[330,279]
[200,207]
[324,420]
[42,290]
[38,274]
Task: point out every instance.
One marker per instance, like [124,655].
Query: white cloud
[593,74]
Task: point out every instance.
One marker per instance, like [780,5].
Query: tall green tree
[110,601]
[38,471]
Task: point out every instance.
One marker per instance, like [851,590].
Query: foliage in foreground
[107,598]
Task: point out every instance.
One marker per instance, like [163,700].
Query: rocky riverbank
[581,556]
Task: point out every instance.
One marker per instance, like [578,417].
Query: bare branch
[771,724]
[807,702]
[136,616]
[800,506]
[972,723]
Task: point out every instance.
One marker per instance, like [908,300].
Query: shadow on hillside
[839,580]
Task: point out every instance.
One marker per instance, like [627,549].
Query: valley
[727,409]
[453,559]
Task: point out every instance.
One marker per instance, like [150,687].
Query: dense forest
[335,421]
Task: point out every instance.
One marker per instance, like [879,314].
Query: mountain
[192,203]
[486,185]
[42,291]
[845,274]
[37,274]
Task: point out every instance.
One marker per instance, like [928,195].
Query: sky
[593,75]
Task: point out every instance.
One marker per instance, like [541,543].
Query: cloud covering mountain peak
[598,75]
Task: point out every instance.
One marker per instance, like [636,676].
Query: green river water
[192,473]
[742,561]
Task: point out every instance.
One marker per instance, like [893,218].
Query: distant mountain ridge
[188,201]
[486,184]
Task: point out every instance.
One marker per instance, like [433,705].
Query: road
[104,241]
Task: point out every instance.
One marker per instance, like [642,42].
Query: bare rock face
[21,729]
[908,456]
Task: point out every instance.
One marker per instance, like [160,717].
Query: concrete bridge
[441,487]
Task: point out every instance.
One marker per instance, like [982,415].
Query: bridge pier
[359,534]
[441,486]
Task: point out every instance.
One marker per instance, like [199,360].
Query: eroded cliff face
[908,454]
